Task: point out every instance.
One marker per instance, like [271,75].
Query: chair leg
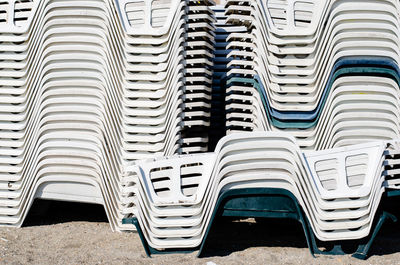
[362,251]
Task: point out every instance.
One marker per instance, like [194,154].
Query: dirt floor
[70,233]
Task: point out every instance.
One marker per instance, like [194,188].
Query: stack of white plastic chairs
[322,79]
[218,115]
[169,53]
[339,189]
[324,71]
[200,45]
[88,86]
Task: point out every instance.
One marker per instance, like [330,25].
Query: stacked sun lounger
[324,71]
[339,189]
[89,86]
[220,68]
[117,102]
[320,79]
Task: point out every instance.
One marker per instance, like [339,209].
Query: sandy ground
[69,233]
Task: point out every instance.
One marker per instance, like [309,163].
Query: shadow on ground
[45,212]
[228,235]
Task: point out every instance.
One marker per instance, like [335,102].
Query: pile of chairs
[324,71]
[174,199]
[89,86]
[169,47]
[321,80]
[116,102]
[220,68]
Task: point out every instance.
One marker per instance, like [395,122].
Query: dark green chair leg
[362,251]
[135,222]
[216,212]
[313,246]
[306,228]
